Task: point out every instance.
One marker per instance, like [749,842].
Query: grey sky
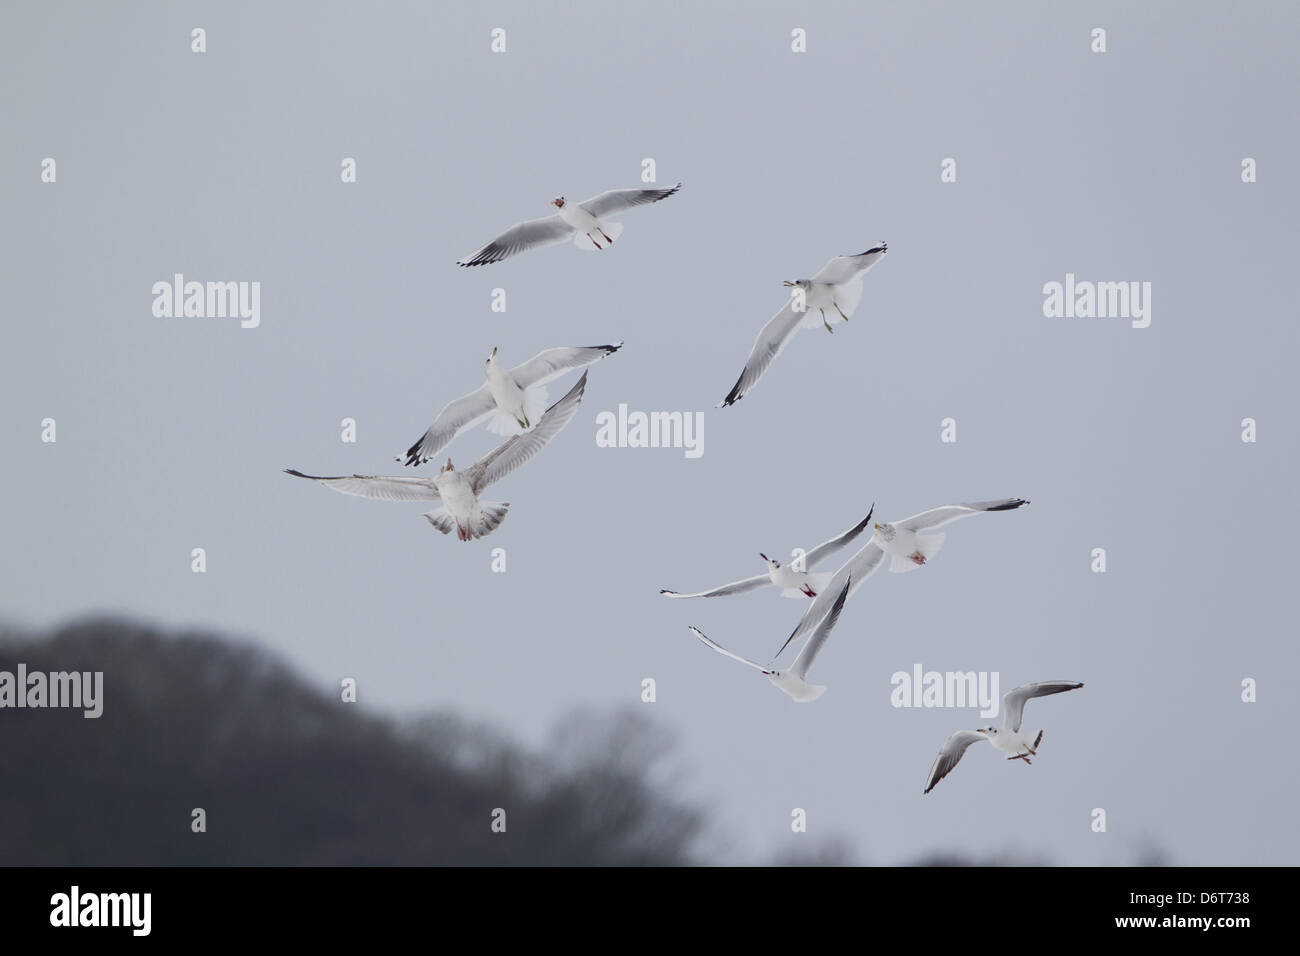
[1115,166]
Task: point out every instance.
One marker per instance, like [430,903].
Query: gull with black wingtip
[587,223]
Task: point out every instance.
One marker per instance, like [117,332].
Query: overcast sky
[1116,166]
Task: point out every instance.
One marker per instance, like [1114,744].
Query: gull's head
[558,202]
[796,283]
[446,468]
[988,731]
[491,359]
[769,562]
[885,531]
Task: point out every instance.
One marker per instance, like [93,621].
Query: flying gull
[1009,739]
[459,490]
[794,681]
[838,286]
[793,584]
[585,221]
[514,398]
[908,550]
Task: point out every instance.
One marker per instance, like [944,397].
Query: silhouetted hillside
[291,775]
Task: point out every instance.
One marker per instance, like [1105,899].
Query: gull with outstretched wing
[795,580]
[586,222]
[906,547]
[1008,738]
[838,286]
[511,399]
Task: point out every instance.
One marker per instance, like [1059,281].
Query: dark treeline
[288,774]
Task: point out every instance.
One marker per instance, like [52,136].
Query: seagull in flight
[907,548]
[458,491]
[1009,739]
[586,222]
[793,583]
[794,681]
[514,398]
[838,287]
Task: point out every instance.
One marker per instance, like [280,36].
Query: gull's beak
[494,353]
[762,555]
[876,526]
[788,283]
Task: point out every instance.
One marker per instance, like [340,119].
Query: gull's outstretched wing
[722,650]
[805,657]
[1013,701]
[771,341]
[552,363]
[520,238]
[843,268]
[511,454]
[834,544]
[455,417]
[952,750]
[615,201]
[937,517]
[377,486]
[858,568]
[735,587]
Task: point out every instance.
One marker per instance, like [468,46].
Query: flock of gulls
[512,402]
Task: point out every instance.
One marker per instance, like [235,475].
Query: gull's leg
[917,558]
[593,241]
[809,591]
[607,239]
[824,322]
[839,310]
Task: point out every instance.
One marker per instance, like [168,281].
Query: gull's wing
[508,456]
[451,421]
[857,569]
[843,268]
[377,487]
[952,750]
[834,544]
[552,363]
[517,239]
[735,587]
[937,517]
[771,341]
[722,650]
[805,657]
[615,201]
[1013,701]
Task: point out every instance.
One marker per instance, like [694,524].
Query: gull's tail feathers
[798,689]
[487,518]
[612,229]
[927,545]
[818,581]
[441,519]
[535,405]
